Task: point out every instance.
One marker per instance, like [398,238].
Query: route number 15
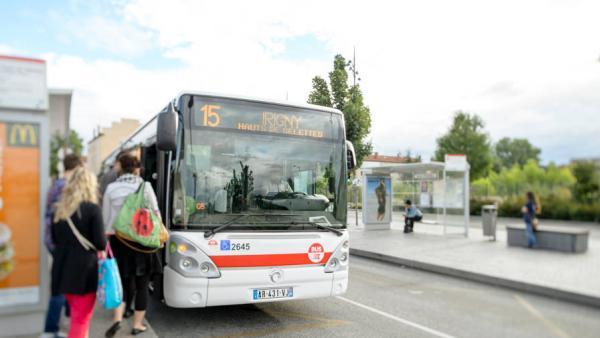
[211,117]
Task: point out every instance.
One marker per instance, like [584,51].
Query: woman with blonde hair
[78,234]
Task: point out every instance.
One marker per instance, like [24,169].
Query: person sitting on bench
[411,215]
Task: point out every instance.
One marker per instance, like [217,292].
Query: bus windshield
[257,166]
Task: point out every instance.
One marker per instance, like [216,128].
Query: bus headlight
[346,244]
[333,263]
[188,260]
[205,267]
[339,259]
[188,263]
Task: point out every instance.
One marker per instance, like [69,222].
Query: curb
[559,294]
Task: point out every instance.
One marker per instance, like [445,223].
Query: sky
[530,69]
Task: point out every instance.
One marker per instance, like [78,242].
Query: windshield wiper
[320,226]
[211,232]
[311,221]
[314,222]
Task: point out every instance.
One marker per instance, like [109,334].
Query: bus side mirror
[166,130]
[350,156]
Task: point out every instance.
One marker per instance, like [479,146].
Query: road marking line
[321,323]
[537,314]
[286,329]
[274,313]
[398,319]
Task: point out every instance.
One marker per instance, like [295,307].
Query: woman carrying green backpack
[135,231]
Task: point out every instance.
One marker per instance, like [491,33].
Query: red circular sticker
[316,253]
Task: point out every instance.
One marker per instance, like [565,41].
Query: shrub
[511,206]
[477,203]
[554,206]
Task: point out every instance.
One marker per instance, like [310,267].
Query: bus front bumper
[238,285]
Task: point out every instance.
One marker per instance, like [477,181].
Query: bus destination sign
[252,118]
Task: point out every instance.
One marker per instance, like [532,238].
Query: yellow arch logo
[24,135]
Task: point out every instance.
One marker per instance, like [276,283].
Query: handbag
[110,289]
[136,222]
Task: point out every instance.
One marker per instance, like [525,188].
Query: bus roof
[261,100]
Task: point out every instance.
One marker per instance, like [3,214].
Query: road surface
[387,300]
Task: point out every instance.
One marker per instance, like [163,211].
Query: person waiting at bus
[57,302]
[78,236]
[136,263]
[411,215]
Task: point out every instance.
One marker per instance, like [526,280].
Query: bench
[559,238]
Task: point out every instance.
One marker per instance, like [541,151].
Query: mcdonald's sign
[22,135]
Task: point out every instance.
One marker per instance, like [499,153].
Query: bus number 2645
[240,246]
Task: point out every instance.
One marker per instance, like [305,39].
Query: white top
[117,192]
[221,201]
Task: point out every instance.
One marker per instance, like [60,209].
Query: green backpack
[137,222]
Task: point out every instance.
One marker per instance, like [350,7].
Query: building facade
[106,139]
[59,111]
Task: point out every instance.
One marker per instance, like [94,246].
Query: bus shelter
[439,189]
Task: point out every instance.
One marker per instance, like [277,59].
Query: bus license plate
[258,294]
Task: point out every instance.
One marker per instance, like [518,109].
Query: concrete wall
[59,110]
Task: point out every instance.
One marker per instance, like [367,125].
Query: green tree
[466,136]
[587,185]
[358,124]
[320,93]
[74,144]
[338,78]
[350,101]
[514,151]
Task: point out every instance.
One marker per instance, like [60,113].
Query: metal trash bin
[489,219]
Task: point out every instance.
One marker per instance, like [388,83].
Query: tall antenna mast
[354,65]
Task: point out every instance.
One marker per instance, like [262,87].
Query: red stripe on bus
[265,260]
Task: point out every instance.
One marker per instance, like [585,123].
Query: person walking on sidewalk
[57,302]
[411,215]
[531,208]
[78,233]
[136,263]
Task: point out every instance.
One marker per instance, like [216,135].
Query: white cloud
[8,50]
[118,37]
[528,68]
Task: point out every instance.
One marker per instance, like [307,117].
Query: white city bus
[254,195]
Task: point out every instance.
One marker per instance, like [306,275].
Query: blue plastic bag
[110,289]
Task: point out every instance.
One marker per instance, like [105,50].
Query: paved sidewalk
[572,277]
[101,321]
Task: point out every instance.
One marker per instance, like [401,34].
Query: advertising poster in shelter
[378,208]
[19,213]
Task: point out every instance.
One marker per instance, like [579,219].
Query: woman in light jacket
[75,268]
[136,263]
